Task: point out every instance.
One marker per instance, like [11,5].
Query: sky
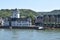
[36,5]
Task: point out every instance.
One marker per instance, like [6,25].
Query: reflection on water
[25,34]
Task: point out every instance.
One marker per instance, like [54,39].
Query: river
[29,34]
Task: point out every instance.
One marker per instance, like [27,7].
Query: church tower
[15,13]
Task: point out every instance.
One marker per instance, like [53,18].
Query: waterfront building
[21,22]
[39,21]
[48,20]
[52,20]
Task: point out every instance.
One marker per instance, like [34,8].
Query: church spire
[15,13]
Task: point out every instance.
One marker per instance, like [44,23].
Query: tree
[32,17]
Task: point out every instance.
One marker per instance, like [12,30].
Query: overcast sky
[36,5]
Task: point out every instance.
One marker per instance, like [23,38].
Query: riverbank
[15,27]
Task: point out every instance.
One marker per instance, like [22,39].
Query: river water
[29,34]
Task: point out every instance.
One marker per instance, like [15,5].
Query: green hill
[26,12]
[23,12]
[54,12]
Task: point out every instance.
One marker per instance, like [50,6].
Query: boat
[40,28]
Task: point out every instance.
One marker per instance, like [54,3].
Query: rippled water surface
[27,34]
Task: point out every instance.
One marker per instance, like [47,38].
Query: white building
[21,22]
[5,22]
[17,21]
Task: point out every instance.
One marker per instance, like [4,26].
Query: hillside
[27,12]
[54,12]
[23,12]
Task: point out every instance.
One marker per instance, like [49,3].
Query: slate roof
[19,19]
